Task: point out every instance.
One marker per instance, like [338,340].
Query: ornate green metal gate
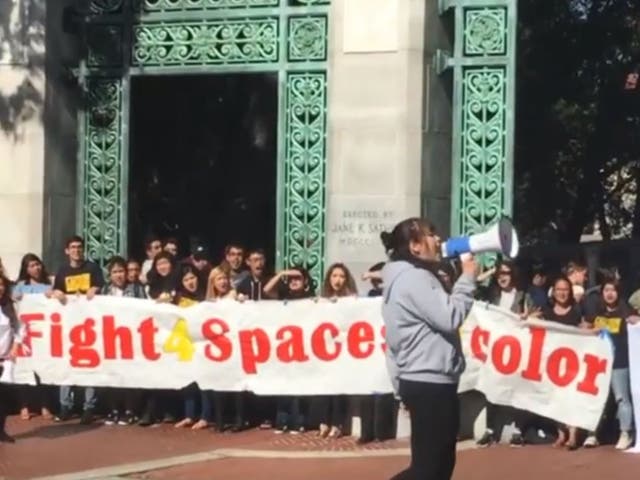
[483,63]
[125,38]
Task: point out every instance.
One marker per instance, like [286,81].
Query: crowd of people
[567,300]
[165,276]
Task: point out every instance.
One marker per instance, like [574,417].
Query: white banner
[270,347]
[634,374]
[559,372]
[303,347]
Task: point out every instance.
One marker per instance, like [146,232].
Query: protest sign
[304,347]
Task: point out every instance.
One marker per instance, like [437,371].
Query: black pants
[4,402]
[161,404]
[435,418]
[329,410]
[262,408]
[122,399]
[520,418]
[221,402]
[377,417]
[35,396]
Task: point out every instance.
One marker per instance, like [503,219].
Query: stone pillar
[61,152]
[22,85]
[376,60]
[436,152]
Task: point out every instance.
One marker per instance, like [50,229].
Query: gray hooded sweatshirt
[422,322]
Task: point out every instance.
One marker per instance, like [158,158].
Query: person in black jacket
[80,277]
[377,411]
[503,292]
[252,285]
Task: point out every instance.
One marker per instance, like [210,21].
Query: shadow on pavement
[57,430]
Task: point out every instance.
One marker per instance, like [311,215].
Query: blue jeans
[66,398]
[621,387]
[191,394]
[288,413]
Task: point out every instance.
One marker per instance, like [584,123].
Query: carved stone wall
[375,124]
[21,129]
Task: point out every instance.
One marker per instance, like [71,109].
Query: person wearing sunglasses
[503,292]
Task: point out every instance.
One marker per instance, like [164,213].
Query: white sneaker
[624,442]
[590,442]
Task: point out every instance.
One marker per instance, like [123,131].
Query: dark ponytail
[396,243]
[387,241]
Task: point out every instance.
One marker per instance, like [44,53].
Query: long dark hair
[515,273]
[616,286]
[159,284]
[397,243]
[23,276]
[309,290]
[6,303]
[349,288]
[562,278]
[186,268]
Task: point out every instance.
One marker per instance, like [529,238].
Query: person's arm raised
[271,287]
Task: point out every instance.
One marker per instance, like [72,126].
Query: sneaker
[87,417]
[280,430]
[516,440]
[266,425]
[297,431]
[168,418]
[112,418]
[146,420]
[364,441]
[238,427]
[624,442]
[127,419]
[590,442]
[486,440]
[63,416]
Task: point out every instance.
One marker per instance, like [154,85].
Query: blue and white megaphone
[501,237]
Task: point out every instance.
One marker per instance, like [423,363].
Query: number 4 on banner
[179,342]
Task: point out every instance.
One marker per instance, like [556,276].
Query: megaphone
[501,237]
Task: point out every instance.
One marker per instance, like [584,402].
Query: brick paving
[267,469]
[503,463]
[70,447]
[310,441]
[45,448]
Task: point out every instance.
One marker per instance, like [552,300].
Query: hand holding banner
[303,348]
[555,371]
[633,338]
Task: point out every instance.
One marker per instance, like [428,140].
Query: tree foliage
[22,53]
[578,127]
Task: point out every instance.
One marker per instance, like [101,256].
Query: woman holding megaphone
[424,355]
